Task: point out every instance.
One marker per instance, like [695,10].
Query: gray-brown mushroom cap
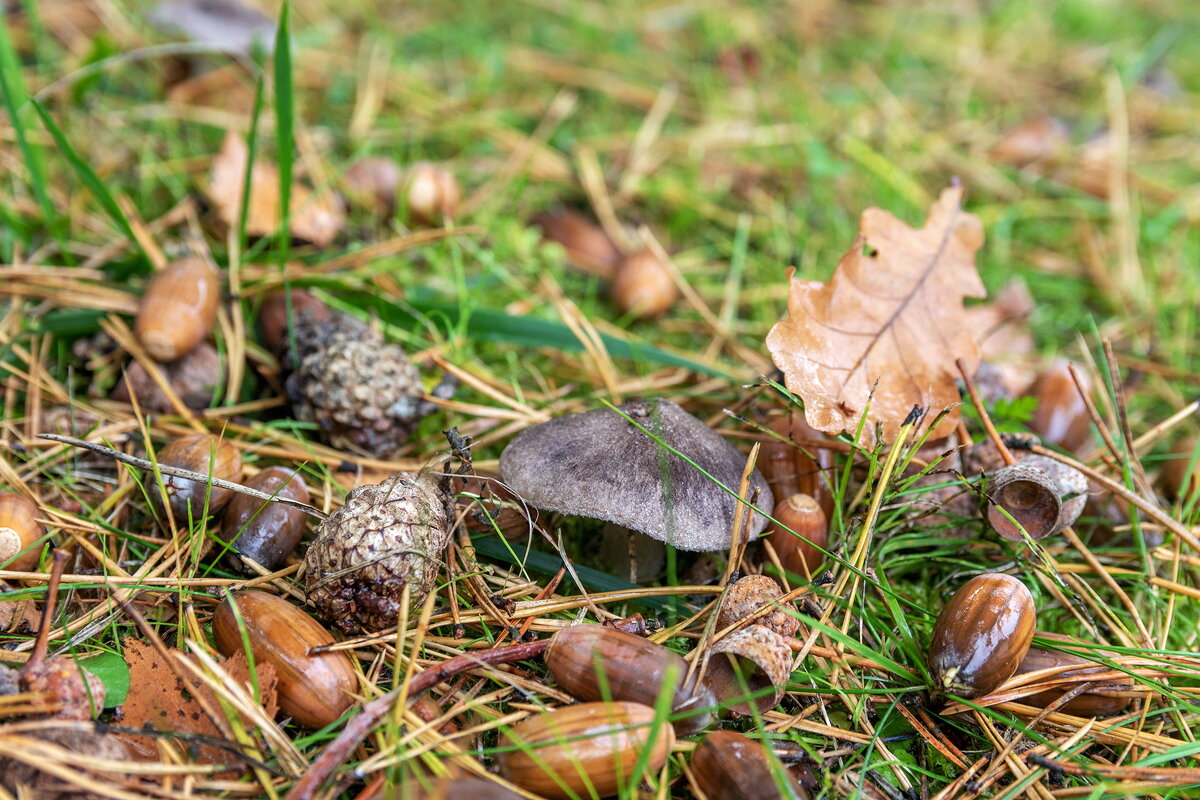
[597,464]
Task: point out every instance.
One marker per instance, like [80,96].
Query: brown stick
[43,638]
[983,414]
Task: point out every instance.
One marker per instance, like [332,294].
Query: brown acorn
[1182,479]
[732,766]
[590,749]
[195,378]
[792,468]
[386,536]
[371,183]
[595,662]
[1098,702]
[432,193]
[263,530]
[1061,417]
[800,524]
[178,309]
[750,593]
[643,286]
[273,316]
[586,244]
[207,455]
[314,689]
[21,535]
[981,635]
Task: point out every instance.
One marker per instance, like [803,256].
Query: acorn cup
[981,635]
[595,662]
[264,530]
[747,595]
[1040,494]
[314,688]
[731,766]
[750,665]
[585,750]
[1100,701]
[21,535]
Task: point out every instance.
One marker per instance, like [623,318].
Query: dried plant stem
[178,472]
[983,414]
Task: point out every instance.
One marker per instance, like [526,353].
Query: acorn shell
[21,535]
[314,689]
[791,468]
[588,660]
[586,244]
[432,193]
[1041,494]
[981,635]
[1061,417]
[590,749]
[207,455]
[178,308]
[732,766]
[451,789]
[264,530]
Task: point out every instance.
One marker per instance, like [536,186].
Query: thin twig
[179,472]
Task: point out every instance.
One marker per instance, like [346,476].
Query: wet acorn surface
[981,635]
[733,766]
[1086,704]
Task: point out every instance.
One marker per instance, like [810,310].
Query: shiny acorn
[588,660]
[178,309]
[590,749]
[21,535]
[731,766]
[1098,702]
[314,689]
[981,635]
[643,286]
[800,527]
[207,455]
[264,530]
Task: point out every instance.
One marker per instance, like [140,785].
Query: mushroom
[228,25]
[599,464]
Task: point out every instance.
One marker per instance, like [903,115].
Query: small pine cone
[385,536]
[362,392]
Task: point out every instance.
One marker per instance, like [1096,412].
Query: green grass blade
[12,86]
[88,176]
[285,121]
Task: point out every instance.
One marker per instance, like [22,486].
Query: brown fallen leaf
[890,320]
[315,217]
[159,699]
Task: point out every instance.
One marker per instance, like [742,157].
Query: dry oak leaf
[314,217]
[890,320]
[158,698]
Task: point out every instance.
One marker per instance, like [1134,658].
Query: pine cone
[363,393]
[385,536]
